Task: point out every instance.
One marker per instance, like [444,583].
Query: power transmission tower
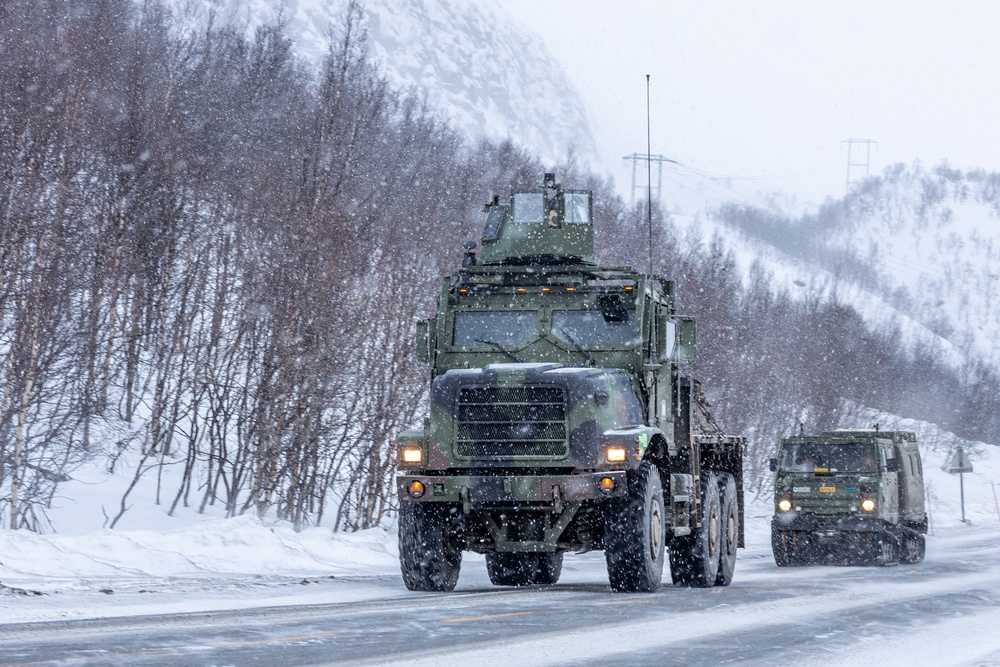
[854,163]
[636,158]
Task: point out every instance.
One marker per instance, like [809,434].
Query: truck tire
[523,569]
[729,529]
[694,559]
[779,547]
[914,547]
[887,550]
[791,547]
[634,533]
[429,557]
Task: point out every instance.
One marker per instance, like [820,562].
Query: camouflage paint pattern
[525,406]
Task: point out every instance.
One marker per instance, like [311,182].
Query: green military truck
[560,420]
[850,497]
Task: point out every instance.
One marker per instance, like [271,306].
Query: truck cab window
[529,208]
[577,208]
[591,327]
[807,457]
[493,222]
[478,328]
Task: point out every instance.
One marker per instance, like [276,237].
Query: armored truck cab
[849,496]
[560,420]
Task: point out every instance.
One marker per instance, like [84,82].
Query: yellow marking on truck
[827,489]
[466,619]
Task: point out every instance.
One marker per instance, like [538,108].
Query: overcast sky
[767,92]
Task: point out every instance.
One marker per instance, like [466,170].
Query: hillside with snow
[482,71]
[913,248]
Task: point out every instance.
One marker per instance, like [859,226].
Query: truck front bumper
[827,524]
[506,490]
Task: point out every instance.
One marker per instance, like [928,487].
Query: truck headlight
[868,504]
[784,504]
[412,454]
[615,454]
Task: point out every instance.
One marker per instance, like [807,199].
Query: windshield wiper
[499,347]
[579,348]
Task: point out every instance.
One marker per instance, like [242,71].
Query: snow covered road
[944,611]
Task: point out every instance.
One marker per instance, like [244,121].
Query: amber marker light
[413,454]
[520,290]
[607,484]
[416,488]
[784,504]
[616,454]
[868,504]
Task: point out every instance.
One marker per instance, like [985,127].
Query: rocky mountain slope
[488,75]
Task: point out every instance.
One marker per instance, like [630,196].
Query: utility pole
[855,162]
[637,158]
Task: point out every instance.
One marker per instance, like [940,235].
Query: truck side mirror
[423,340]
[773,464]
[686,339]
[666,338]
[891,465]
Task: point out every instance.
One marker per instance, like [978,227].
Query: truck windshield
[591,327]
[825,457]
[509,327]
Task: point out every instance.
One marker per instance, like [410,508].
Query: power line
[856,165]
[636,158]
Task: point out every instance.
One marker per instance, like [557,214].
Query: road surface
[944,611]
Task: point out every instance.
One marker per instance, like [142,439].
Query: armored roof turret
[545,225]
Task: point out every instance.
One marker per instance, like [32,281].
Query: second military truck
[560,420]
[850,497]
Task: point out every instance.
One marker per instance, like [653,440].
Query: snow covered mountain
[489,76]
[913,246]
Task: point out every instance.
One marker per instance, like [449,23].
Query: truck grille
[511,422]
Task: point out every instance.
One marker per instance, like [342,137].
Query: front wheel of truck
[523,569]
[914,547]
[887,549]
[429,556]
[634,533]
[694,559]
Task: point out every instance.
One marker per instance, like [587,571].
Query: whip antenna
[649,182]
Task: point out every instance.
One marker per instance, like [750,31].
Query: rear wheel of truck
[429,556]
[914,547]
[523,569]
[729,529]
[694,559]
[634,533]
